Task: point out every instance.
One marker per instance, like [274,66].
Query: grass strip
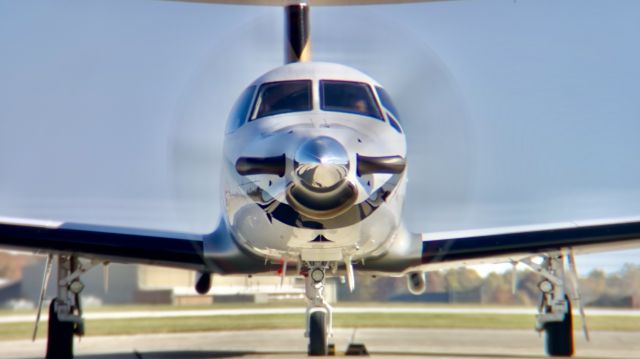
[296,321]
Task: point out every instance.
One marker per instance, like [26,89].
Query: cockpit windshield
[347,96]
[281,97]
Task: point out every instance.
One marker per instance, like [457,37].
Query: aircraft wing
[105,243]
[511,243]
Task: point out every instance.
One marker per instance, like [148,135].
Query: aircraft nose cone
[321,163]
[321,188]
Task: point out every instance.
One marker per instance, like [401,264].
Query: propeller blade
[43,290]
[261,165]
[384,164]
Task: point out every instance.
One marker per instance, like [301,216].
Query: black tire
[317,334]
[59,337]
[559,335]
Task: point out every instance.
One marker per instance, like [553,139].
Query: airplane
[314,182]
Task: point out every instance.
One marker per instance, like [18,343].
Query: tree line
[598,288]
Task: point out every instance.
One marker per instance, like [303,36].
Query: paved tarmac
[381,343]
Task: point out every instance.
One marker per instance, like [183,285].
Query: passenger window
[282,97]
[240,109]
[346,96]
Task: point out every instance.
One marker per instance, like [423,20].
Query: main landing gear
[65,311]
[554,316]
[319,312]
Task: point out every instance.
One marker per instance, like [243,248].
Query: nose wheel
[319,312]
[318,333]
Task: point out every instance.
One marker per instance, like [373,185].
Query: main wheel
[559,335]
[59,337]
[317,333]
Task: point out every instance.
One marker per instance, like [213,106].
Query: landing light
[76,287]
[317,275]
[545,286]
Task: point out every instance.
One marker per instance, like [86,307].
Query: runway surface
[381,343]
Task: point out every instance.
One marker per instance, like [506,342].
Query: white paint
[30,222]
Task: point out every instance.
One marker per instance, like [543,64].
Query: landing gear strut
[65,313]
[554,313]
[319,312]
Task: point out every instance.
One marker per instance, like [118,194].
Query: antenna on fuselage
[297,46]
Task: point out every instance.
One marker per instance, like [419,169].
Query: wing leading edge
[104,242]
[494,245]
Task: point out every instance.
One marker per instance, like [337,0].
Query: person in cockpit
[360,106]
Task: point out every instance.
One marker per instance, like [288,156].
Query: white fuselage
[258,205]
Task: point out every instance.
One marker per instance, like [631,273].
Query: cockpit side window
[282,97]
[347,96]
[240,109]
[392,111]
[385,99]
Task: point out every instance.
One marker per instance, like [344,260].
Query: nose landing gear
[319,312]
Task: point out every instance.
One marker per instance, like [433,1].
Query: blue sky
[517,112]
